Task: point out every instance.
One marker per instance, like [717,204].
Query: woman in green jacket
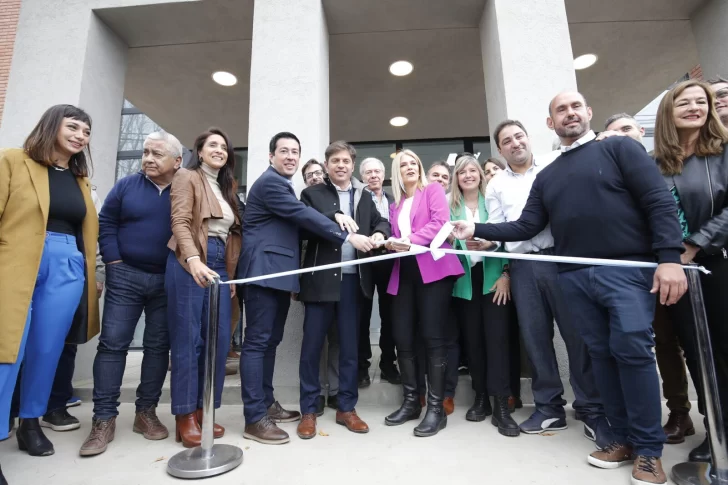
[482,303]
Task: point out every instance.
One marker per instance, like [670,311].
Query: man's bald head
[566,93]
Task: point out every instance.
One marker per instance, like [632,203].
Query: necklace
[60,169]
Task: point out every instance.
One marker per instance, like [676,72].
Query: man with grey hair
[719,85]
[372,173]
[625,125]
[134,229]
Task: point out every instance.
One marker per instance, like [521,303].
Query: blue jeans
[615,308]
[319,318]
[188,308]
[57,293]
[129,291]
[539,299]
[266,310]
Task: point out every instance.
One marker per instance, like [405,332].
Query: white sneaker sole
[640,482]
[607,465]
[561,428]
[55,427]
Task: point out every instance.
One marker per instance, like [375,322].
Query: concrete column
[709,27]
[289,80]
[527,60]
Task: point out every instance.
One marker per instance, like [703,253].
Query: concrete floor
[463,453]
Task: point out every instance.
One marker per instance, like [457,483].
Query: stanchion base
[694,473]
[191,463]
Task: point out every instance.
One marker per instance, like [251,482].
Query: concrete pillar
[709,27]
[289,80]
[527,60]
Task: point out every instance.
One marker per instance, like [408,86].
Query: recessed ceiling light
[224,78]
[398,121]
[587,60]
[401,68]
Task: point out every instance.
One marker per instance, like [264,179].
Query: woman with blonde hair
[422,289]
[691,152]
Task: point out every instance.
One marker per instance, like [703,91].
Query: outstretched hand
[463,229]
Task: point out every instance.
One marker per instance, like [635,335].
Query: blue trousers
[615,311]
[57,293]
[266,310]
[187,317]
[129,291]
[317,321]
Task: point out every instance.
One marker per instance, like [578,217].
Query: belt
[547,251]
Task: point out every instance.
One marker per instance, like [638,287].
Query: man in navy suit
[273,216]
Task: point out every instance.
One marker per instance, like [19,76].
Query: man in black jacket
[335,295]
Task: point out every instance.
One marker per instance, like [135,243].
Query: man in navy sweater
[606,199]
[134,228]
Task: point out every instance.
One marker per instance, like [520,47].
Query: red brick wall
[9,13]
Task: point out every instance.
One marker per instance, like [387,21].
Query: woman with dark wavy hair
[691,149]
[48,234]
[205,244]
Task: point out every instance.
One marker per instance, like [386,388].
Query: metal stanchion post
[715,473]
[208,460]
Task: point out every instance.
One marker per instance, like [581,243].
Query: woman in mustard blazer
[48,234]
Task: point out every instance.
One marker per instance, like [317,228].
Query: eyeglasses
[315,173]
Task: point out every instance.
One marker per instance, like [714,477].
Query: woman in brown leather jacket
[205,244]
[691,152]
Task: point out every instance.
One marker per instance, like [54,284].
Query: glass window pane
[482,148]
[134,129]
[434,151]
[127,166]
[382,151]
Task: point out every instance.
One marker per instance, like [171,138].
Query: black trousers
[452,345]
[486,331]
[420,309]
[515,352]
[716,308]
[381,271]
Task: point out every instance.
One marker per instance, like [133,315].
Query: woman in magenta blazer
[422,289]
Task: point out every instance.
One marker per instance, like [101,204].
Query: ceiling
[643,46]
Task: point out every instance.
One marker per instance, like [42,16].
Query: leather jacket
[703,190]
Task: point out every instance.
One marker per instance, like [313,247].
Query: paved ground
[464,453]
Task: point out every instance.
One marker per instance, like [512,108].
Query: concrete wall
[711,35]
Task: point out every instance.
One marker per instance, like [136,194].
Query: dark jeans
[381,271]
[266,310]
[485,326]
[538,299]
[670,359]
[319,318]
[716,308]
[129,292]
[187,317]
[615,308]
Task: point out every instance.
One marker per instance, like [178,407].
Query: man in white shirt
[538,298]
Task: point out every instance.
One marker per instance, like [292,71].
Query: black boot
[31,438]
[502,417]
[480,408]
[2,477]
[435,418]
[701,453]
[411,408]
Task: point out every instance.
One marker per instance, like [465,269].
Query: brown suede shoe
[148,424]
[102,433]
[187,430]
[613,456]
[647,470]
[352,422]
[678,426]
[280,415]
[307,427]
[449,404]
[217,430]
[265,431]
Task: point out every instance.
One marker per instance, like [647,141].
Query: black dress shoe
[502,417]
[2,477]
[364,381]
[320,404]
[333,402]
[31,438]
[480,408]
[391,375]
[701,453]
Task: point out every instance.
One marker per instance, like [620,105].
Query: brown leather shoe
[265,431]
[423,402]
[102,433]
[449,404]
[217,430]
[280,415]
[187,430]
[352,421]
[648,470]
[678,426]
[613,456]
[148,424]
[307,427]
